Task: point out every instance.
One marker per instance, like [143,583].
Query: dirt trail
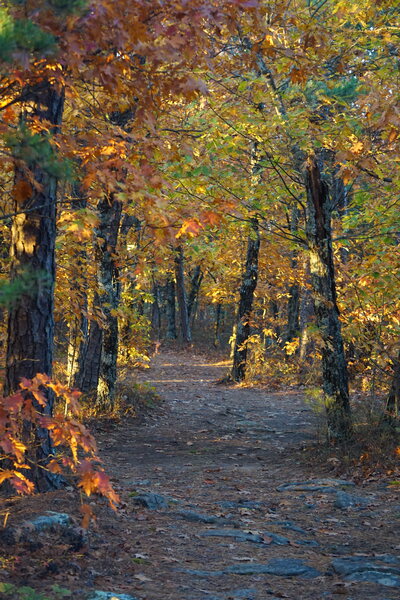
[213,462]
[218,454]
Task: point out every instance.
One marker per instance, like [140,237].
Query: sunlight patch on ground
[222,363]
[179,380]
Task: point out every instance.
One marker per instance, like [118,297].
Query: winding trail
[218,457]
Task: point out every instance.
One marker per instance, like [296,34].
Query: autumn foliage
[76,447]
[151,149]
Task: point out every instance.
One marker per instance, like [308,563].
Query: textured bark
[195,283]
[181,295]
[156,311]
[87,376]
[306,312]
[170,307]
[393,401]
[334,367]
[293,315]
[130,222]
[109,295]
[77,340]
[247,289]
[30,321]
[217,324]
[78,323]
[293,306]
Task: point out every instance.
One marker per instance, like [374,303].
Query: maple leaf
[191,227]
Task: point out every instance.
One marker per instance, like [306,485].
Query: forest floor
[243,513]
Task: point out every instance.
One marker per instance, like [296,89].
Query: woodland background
[216,173]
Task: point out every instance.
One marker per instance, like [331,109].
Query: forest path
[215,457]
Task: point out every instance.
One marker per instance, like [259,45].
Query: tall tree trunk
[30,334]
[109,293]
[130,222]
[293,306]
[181,294]
[247,289]
[217,324]
[334,367]
[78,322]
[87,376]
[306,312]
[195,283]
[156,311]
[393,401]
[170,309]
[77,340]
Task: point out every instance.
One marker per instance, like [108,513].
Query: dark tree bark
[195,283]
[109,295]
[87,376]
[77,340]
[156,311]
[130,222]
[306,312]
[393,401]
[247,289]
[78,322]
[334,367]
[293,306]
[170,309]
[217,324]
[30,321]
[181,295]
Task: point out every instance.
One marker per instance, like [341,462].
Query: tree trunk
[247,289]
[306,313]
[78,323]
[30,321]
[393,401]
[217,324]
[156,311]
[87,376]
[293,306]
[181,294]
[129,222]
[170,309]
[77,340]
[334,367]
[109,294]
[196,279]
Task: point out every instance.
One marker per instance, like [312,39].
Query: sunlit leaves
[77,450]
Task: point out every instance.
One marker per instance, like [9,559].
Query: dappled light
[199,307]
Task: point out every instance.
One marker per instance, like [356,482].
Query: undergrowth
[131,400]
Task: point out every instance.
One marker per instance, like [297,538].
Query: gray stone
[244,594]
[50,520]
[292,527]
[384,569]
[190,515]
[99,595]
[31,531]
[139,482]
[250,504]
[151,501]
[353,564]
[314,485]
[201,573]
[242,536]
[387,579]
[344,500]
[284,567]
[310,543]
